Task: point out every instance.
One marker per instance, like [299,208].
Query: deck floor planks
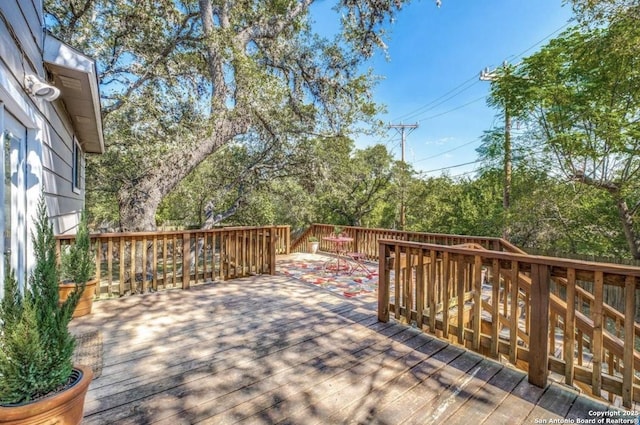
[363,406]
[177,383]
[415,396]
[483,402]
[192,347]
[448,402]
[346,389]
[210,394]
[199,359]
[323,368]
[319,366]
[554,404]
[419,341]
[368,408]
[352,372]
[518,399]
[270,348]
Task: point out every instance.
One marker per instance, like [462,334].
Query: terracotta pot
[314,247]
[64,408]
[86,300]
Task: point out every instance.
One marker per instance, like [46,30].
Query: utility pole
[487,75]
[402,129]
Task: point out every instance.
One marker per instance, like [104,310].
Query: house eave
[75,75]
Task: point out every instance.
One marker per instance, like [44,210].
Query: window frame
[76,167]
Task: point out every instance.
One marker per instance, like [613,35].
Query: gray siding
[25,19]
[21,50]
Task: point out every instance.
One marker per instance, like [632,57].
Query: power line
[459,88]
[436,102]
[451,166]
[542,40]
[453,109]
[447,151]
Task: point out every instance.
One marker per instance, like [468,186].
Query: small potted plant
[337,231]
[314,244]
[77,269]
[38,382]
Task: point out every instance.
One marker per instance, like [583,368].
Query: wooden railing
[366,239]
[543,314]
[138,262]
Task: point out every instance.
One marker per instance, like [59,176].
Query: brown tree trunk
[626,219]
[139,201]
[138,206]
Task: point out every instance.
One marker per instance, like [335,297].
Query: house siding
[50,135]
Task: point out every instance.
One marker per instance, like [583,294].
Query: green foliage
[354,184]
[36,347]
[580,98]
[78,261]
[181,80]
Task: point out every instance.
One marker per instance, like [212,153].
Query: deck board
[271,349]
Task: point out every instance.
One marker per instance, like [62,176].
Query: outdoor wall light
[38,88]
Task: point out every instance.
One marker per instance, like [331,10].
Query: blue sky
[431,78]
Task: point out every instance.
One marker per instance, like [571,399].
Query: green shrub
[36,347]
[78,264]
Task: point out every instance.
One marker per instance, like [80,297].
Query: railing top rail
[504,243]
[525,258]
[168,232]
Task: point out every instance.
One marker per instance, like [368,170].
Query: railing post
[383,285]
[356,235]
[539,336]
[272,252]
[288,244]
[186,260]
[97,243]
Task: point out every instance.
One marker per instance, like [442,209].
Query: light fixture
[38,88]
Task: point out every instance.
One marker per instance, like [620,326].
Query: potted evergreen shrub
[314,244]
[77,269]
[38,383]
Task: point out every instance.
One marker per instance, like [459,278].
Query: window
[76,166]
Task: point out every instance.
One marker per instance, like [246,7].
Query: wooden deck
[271,349]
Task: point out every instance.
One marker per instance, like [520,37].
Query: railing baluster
[629,341]
[431,292]
[397,280]
[407,295]
[596,340]
[461,270]
[515,307]
[383,284]
[477,301]
[174,260]
[154,265]
[98,244]
[495,306]
[569,327]
[132,266]
[186,260]
[165,248]
[121,265]
[143,266]
[421,289]
[445,293]
[110,265]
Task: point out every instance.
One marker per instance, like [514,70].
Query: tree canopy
[183,78]
[580,95]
